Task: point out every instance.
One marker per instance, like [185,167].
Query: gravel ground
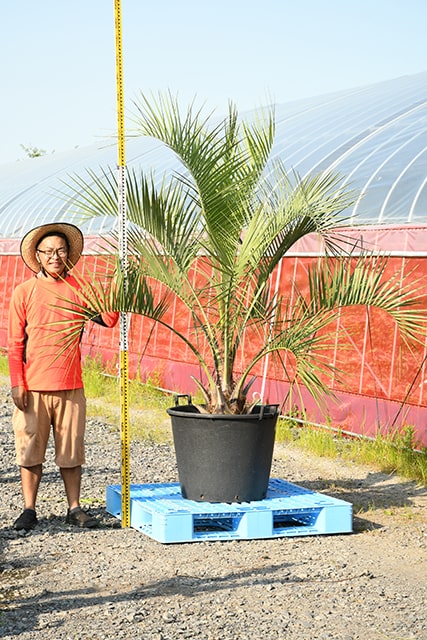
[59,583]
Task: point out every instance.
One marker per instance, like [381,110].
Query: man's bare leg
[30,481]
[76,516]
[72,478]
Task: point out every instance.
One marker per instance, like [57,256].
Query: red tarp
[382,385]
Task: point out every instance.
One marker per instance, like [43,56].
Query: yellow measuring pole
[124,371]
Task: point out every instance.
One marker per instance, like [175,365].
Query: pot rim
[264,411]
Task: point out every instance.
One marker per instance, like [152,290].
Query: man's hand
[19,397]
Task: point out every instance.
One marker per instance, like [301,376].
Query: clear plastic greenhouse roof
[375,136]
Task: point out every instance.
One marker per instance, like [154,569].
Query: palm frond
[361,282]
[212,234]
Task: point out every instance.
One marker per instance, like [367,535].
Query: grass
[394,453]
[4,369]
[148,420]
[146,404]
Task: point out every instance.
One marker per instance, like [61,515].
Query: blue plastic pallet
[160,511]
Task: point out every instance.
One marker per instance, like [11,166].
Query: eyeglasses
[49,253]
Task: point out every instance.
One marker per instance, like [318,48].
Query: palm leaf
[212,234]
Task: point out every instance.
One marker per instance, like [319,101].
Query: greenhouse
[376,138]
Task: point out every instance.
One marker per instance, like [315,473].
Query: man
[45,367]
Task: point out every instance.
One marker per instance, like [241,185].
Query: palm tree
[214,233]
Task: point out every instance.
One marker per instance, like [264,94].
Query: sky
[58,78]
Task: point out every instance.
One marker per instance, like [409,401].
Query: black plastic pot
[223,458]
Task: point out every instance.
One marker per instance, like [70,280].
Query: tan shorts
[65,412]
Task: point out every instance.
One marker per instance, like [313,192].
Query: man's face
[52,253]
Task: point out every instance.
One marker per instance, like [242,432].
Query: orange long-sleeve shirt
[37,357]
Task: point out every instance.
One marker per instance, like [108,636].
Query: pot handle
[182,395]
[268,409]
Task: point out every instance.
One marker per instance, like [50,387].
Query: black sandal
[80,518]
[26,521]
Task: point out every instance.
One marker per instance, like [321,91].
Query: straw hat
[30,241]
